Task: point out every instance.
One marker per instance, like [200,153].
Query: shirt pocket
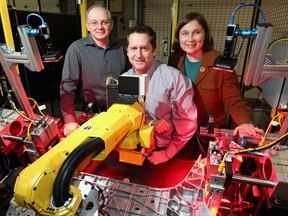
[211,93]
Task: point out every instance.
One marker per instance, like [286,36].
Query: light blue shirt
[170,97]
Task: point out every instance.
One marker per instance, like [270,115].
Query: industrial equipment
[45,44]
[45,184]
[28,133]
[228,61]
[239,176]
[27,136]
[244,173]
[254,172]
[264,179]
[248,181]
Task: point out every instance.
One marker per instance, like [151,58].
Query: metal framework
[30,57]
[261,67]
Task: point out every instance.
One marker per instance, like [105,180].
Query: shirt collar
[90,42]
[152,69]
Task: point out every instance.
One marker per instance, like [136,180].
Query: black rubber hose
[61,187]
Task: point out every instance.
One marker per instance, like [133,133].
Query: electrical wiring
[19,112]
[34,14]
[263,147]
[36,105]
[222,164]
[199,139]
[200,124]
[278,40]
[40,46]
[242,43]
[42,35]
[281,39]
[32,121]
[2,109]
[29,137]
[280,117]
[4,104]
[103,201]
[231,21]
[267,130]
[6,162]
[108,80]
[259,148]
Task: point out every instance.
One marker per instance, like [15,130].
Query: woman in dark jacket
[216,91]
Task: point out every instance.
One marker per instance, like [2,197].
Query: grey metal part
[44,133]
[31,49]
[89,205]
[32,60]
[275,92]
[17,87]
[279,53]
[262,66]
[7,116]
[16,210]
[186,198]
[256,60]
[227,134]
[279,194]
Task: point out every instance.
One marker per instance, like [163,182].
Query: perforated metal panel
[276,13]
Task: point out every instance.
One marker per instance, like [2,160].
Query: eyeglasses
[102,23]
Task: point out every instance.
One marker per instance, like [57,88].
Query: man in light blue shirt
[169,102]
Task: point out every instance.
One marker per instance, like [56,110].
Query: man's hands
[69,128]
[247,130]
[160,126]
[158,157]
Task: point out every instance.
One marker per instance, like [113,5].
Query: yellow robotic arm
[44,186]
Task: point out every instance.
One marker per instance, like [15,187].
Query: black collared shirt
[89,65]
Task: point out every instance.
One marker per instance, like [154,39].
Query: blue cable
[34,32]
[231,21]
[33,14]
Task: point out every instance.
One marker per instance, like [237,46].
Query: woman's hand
[247,130]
